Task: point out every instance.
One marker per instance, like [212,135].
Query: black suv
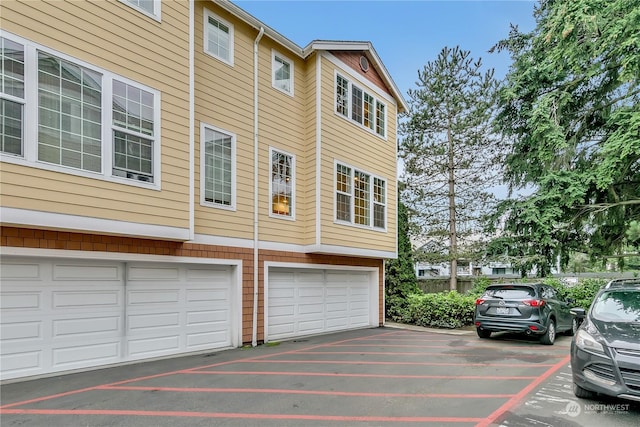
[605,352]
[531,308]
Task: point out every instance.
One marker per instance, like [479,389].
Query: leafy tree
[400,274]
[571,108]
[449,152]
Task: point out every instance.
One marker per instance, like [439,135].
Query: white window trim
[274,53]
[292,206]
[205,37]
[377,100]
[204,202]
[30,120]
[157,15]
[371,198]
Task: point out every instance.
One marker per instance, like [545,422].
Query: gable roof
[320,45]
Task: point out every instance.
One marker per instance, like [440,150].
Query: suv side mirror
[579,312]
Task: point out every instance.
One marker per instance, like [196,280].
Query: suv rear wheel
[483,333]
[550,336]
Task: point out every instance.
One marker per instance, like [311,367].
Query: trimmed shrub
[442,310]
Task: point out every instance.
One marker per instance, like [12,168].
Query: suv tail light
[479,301]
[534,302]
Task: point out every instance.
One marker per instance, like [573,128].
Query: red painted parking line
[164,374]
[397,353]
[372,362]
[438,346]
[522,393]
[335,374]
[309,392]
[244,416]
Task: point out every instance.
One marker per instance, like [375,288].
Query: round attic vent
[364,63]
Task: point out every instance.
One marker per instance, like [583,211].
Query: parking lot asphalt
[390,376]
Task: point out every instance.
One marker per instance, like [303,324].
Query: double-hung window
[148,7]
[358,195]
[282,185]
[218,37]
[282,73]
[11,96]
[217,171]
[366,110]
[59,113]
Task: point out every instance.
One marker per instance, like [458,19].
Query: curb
[460,331]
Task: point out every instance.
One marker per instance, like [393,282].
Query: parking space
[368,377]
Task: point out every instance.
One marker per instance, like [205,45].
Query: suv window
[549,293]
[617,306]
[511,292]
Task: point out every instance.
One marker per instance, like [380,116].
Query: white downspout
[256,164]
[192,122]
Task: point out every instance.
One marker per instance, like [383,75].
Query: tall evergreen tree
[400,276]
[450,153]
[571,107]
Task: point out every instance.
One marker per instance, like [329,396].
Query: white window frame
[203,201]
[31,121]
[374,129]
[156,14]
[18,100]
[274,56]
[372,202]
[292,203]
[209,14]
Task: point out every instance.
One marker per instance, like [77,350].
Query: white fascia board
[257,24]
[206,239]
[322,45]
[83,224]
[113,256]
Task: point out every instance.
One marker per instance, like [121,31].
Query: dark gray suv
[531,308]
[605,352]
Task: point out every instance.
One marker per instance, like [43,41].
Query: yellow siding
[344,141]
[224,99]
[117,38]
[282,127]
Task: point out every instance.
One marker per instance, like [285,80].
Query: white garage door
[312,301]
[59,315]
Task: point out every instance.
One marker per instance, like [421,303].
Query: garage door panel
[207,317]
[196,341]
[306,309]
[20,331]
[21,363]
[97,273]
[153,347]
[211,276]
[96,353]
[207,296]
[82,299]
[20,301]
[308,327]
[66,314]
[316,301]
[20,271]
[153,273]
[91,326]
[144,322]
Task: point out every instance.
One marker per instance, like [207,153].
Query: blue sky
[405,34]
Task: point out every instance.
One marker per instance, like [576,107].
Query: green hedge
[441,310]
[454,310]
